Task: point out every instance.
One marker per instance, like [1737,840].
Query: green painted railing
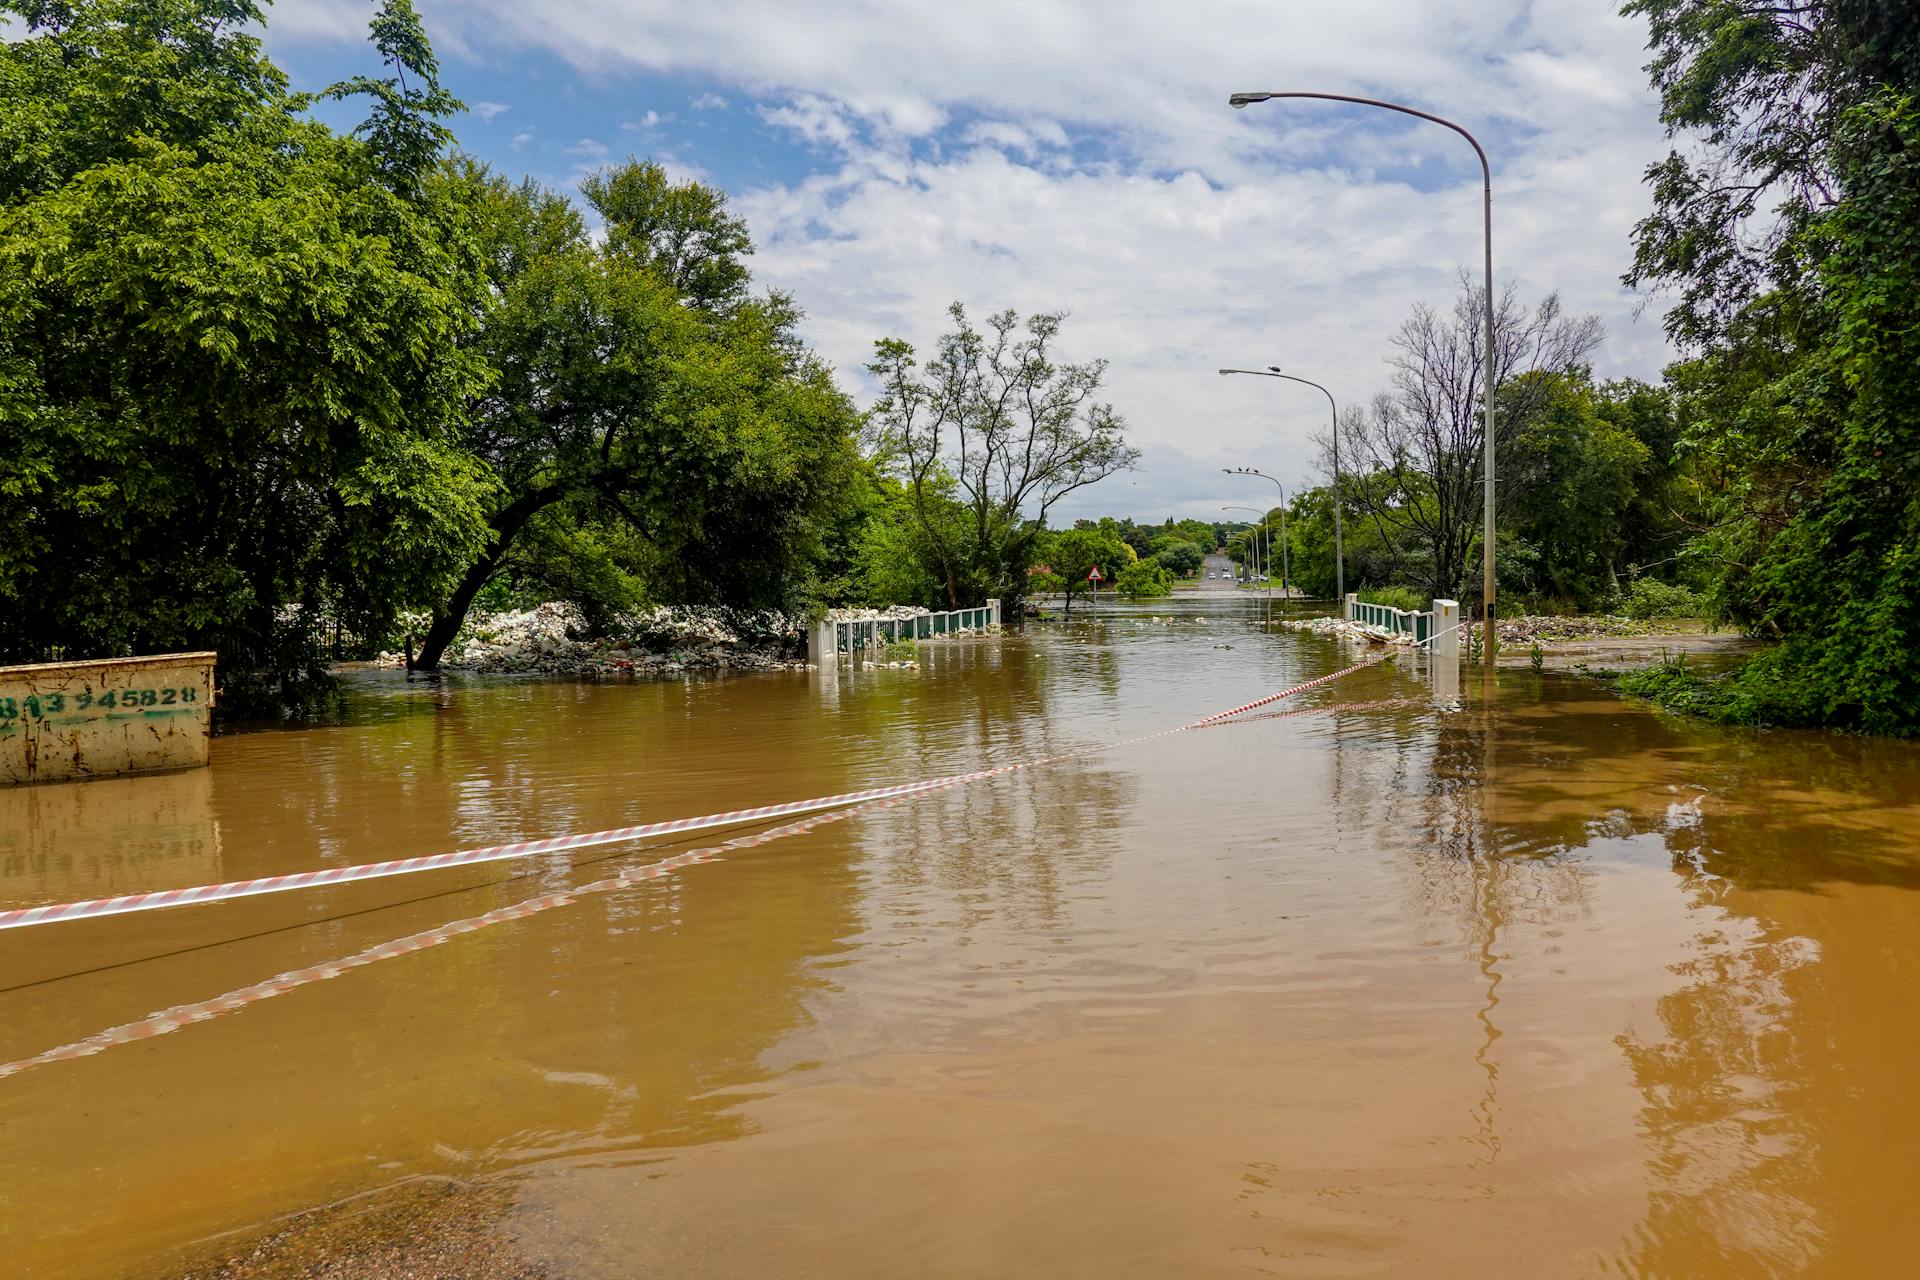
[1395,622]
[868,633]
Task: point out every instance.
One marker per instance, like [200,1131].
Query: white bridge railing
[830,638]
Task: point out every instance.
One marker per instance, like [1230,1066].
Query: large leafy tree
[643,392]
[1575,477]
[1424,441]
[1013,431]
[1181,556]
[1074,553]
[1789,227]
[233,344]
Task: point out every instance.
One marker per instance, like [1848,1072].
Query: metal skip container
[66,720]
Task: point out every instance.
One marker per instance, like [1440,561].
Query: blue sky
[892,157]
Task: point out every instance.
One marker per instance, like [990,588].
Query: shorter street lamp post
[1339,550]
[1253,547]
[1286,591]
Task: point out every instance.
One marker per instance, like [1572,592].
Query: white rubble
[1332,626]
[663,640]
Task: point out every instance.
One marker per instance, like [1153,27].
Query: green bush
[1651,598]
[1144,578]
[1396,598]
[1763,691]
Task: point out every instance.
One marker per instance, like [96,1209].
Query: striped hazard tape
[50,913]
[199,895]
[184,1015]
[842,807]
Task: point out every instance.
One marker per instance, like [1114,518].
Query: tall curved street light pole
[1339,546]
[1286,591]
[1486,172]
[1253,544]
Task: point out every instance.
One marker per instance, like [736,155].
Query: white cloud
[651,120]
[589,149]
[1083,157]
[708,102]
[488,110]
[330,20]
[812,119]
[1171,277]
[521,139]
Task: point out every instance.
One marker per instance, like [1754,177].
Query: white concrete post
[823,645]
[1445,644]
[1443,656]
[993,613]
[1353,598]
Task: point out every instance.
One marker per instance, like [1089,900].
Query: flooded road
[1545,984]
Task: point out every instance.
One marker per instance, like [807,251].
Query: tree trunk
[446,623]
[508,523]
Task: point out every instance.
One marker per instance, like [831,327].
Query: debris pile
[1331,626]
[1547,630]
[554,639]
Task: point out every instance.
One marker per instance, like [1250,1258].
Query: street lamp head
[1274,368]
[1243,99]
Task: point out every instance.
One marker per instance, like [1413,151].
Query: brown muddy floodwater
[1549,984]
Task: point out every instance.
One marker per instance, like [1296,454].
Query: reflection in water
[1530,812]
[157,830]
[1426,980]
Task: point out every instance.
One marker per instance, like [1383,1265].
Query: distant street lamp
[1339,547]
[1253,551]
[1286,591]
[1240,100]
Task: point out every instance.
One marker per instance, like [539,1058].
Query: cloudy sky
[893,156]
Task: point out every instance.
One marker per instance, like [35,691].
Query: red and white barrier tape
[172,1019]
[159,899]
[182,1015]
[22,917]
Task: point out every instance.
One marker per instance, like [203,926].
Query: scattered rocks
[426,1230]
[666,640]
[892,612]
[1522,632]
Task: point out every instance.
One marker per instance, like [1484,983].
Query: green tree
[1575,477]
[639,382]
[1310,541]
[1144,579]
[1789,224]
[1074,553]
[1423,442]
[1014,432]
[234,351]
[896,563]
[1181,557]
